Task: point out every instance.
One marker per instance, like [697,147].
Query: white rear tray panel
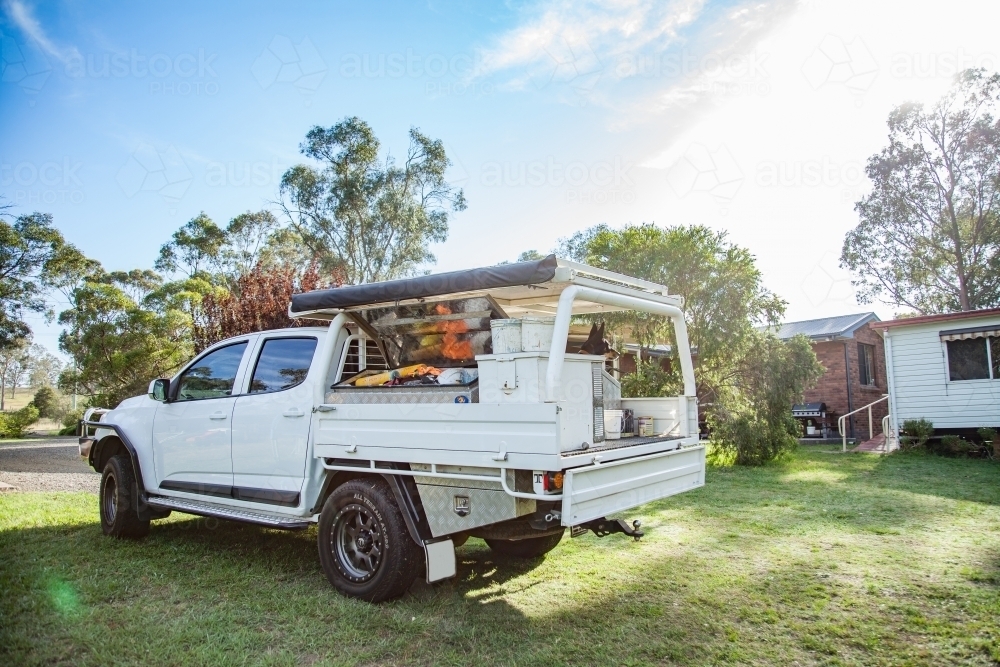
[602,489]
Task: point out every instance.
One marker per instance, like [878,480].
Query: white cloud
[643,60]
[612,27]
[22,17]
[566,39]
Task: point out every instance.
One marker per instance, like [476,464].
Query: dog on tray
[596,344]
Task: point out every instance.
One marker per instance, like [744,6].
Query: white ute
[400,431]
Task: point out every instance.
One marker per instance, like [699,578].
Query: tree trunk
[956,239]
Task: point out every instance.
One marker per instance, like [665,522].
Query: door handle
[217,415]
[293,412]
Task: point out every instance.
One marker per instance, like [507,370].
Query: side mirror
[159,390]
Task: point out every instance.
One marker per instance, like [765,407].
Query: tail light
[552,481]
[546,482]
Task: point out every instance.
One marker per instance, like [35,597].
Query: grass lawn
[822,559]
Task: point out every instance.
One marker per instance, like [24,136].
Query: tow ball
[603,527]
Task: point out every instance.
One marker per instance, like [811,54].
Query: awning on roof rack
[454,282]
[970,332]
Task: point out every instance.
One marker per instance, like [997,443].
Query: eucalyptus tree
[33,256]
[929,233]
[363,215]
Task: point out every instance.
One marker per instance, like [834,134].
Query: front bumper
[87,439]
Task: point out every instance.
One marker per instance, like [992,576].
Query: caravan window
[969,359]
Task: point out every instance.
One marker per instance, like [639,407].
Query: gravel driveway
[46,464]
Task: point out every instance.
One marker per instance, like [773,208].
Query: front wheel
[364,547]
[531,547]
[118,498]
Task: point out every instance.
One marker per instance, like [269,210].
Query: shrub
[71,422]
[649,381]
[917,433]
[47,402]
[15,424]
[754,439]
[990,441]
[953,445]
[948,443]
[752,419]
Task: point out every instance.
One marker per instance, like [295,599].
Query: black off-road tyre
[118,498]
[531,547]
[364,547]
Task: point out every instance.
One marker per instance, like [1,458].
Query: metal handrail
[842,420]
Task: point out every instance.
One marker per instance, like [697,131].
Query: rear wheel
[119,494]
[364,547]
[531,547]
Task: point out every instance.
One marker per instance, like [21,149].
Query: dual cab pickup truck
[400,431]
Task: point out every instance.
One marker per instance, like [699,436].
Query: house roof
[947,317]
[826,328]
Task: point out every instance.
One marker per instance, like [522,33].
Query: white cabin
[944,368]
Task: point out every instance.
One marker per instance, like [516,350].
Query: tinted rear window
[282,364]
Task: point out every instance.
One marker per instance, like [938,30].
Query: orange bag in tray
[380,379]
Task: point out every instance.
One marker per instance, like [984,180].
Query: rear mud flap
[440,560]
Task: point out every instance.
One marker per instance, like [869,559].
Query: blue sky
[124,121]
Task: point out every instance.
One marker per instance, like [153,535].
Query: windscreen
[440,333]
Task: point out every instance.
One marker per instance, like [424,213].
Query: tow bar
[603,527]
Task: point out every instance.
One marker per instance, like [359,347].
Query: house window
[866,364]
[969,359]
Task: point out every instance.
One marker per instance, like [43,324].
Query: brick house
[854,357]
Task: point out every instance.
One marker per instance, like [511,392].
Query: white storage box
[664,412]
[520,378]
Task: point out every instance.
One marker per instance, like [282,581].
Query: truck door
[192,434]
[271,422]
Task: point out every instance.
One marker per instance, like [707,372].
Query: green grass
[822,559]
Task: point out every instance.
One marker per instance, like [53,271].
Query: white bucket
[612,424]
[506,336]
[536,333]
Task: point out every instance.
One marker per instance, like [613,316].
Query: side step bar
[230,513]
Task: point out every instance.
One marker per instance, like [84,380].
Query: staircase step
[876,445]
[225,512]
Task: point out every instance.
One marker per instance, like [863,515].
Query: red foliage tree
[259,301]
